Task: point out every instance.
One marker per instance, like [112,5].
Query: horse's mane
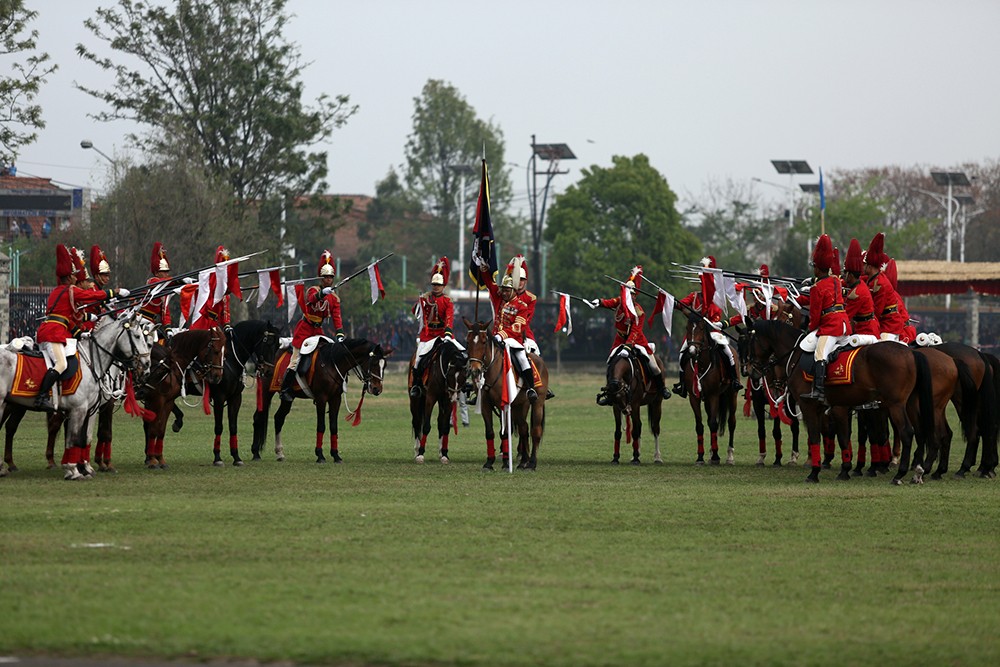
[189,343]
[778,330]
[333,353]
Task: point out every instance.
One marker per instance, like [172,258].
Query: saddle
[31,367]
[304,371]
[839,366]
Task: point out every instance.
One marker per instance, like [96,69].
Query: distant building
[34,207]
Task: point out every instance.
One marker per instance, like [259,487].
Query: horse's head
[266,349]
[697,335]
[375,374]
[455,364]
[766,353]
[212,355]
[128,338]
[621,369]
[478,343]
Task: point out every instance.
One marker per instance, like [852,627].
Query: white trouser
[889,336]
[55,354]
[425,346]
[827,344]
[293,363]
[651,364]
[518,354]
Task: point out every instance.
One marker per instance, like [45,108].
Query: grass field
[382,561]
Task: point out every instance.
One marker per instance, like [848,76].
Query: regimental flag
[565,315]
[664,306]
[483,245]
[269,280]
[291,298]
[822,192]
[378,291]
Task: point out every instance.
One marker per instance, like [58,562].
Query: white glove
[339,337]
[481,263]
[717,326]
[93,317]
[122,291]
[448,336]
[190,279]
[498,338]
[595,303]
[326,290]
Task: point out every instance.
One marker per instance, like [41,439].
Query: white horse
[114,348]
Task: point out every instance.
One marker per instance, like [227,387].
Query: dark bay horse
[188,357]
[486,372]
[326,371]
[765,401]
[707,383]
[250,340]
[887,372]
[445,381]
[627,389]
[984,370]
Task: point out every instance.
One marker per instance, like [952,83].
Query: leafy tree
[394,222]
[612,219]
[446,136]
[734,226]
[222,71]
[20,118]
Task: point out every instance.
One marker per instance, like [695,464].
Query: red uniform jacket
[438,315]
[511,316]
[694,301]
[62,318]
[315,308]
[628,330]
[886,300]
[530,301]
[827,315]
[156,311]
[861,309]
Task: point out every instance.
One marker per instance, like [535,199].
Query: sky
[709,90]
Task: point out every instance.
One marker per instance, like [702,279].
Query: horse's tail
[925,394]
[970,408]
[989,412]
[726,406]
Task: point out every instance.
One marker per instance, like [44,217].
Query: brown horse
[189,356]
[983,368]
[628,388]
[707,381]
[326,371]
[445,381]
[765,398]
[485,370]
[886,372]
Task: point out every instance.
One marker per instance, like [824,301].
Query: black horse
[254,340]
[445,381]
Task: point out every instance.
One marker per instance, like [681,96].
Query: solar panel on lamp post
[791,167]
[552,153]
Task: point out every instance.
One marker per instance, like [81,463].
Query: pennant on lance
[378,291]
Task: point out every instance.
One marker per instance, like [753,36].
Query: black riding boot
[42,401]
[528,380]
[681,388]
[819,383]
[661,386]
[417,389]
[288,385]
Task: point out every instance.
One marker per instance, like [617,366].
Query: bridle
[372,371]
[203,367]
[483,367]
[619,391]
[126,363]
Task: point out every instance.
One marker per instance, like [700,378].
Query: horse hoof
[872,472]
[636,461]
[777,463]
[826,465]
[444,460]
[614,461]
[177,426]
[844,476]
[983,474]
[857,473]
[917,480]
[163,466]
[419,458]
[256,457]
[279,458]
[716,461]
[657,462]
[238,463]
[897,482]
[937,475]
[218,463]
[336,458]
[760,461]
[14,468]
[488,466]
[321,460]
[812,480]
[700,462]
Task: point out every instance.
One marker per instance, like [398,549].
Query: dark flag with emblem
[482,234]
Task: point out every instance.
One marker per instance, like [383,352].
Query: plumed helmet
[64,262]
[441,271]
[79,264]
[158,260]
[522,268]
[835,269]
[98,261]
[892,273]
[853,261]
[634,278]
[823,253]
[763,271]
[708,262]
[507,281]
[221,254]
[876,253]
[326,266]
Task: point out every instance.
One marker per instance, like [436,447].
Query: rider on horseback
[628,328]
[827,315]
[317,303]
[857,297]
[157,310]
[703,303]
[511,317]
[891,320]
[437,312]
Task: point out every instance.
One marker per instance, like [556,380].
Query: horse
[764,398]
[887,372]
[987,380]
[445,382]
[188,357]
[486,372]
[706,382]
[249,340]
[113,350]
[332,363]
[627,389]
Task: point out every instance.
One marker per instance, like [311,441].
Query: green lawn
[383,561]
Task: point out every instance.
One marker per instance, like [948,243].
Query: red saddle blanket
[29,372]
[281,366]
[840,370]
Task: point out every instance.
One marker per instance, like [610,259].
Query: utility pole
[552,153]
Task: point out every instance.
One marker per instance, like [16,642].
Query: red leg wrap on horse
[777,447]
[491,450]
[159,446]
[99,452]
[814,454]
[333,442]
[71,455]
[618,446]
[762,445]
[444,441]
[423,440]
[319,440]
[234,443]
[715,442]
[107,452]
[217,444]
[701,445]
[504,447]
[847,453]
[85,456]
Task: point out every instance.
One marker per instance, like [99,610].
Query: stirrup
[531,394]
[43,402]
[549,395]
[416,391]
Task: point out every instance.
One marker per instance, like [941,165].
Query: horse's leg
[905,432]
[444,421]
[53,423]
[794,428]
[862,444]
[699,427]
[811,415]
[321,429]
[733,402]
[260,425]
[842,424]
[712,417]
[945,452]
[417,426]
[159,431]
[829,443]
[104,418]
[13,416]
[72,446]
[178,418]
[636,431]
[217,406]
[757,399]
[654,413]
[284,407]
[618,433]
[334,410]
[523,455]
[491,455]
[537,430]
[233,405]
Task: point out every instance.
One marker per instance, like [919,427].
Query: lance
[573,296]
[348,278]
[688,269]
[174,280]
[636,288]
[691,310]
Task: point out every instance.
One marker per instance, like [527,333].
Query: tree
[447,136]
[20,118]
[612,219]
[221,70]
[732,224]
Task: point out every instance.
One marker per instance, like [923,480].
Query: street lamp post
[552,153]
[463,171]
[949,179]
[791,167]
[87,144]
